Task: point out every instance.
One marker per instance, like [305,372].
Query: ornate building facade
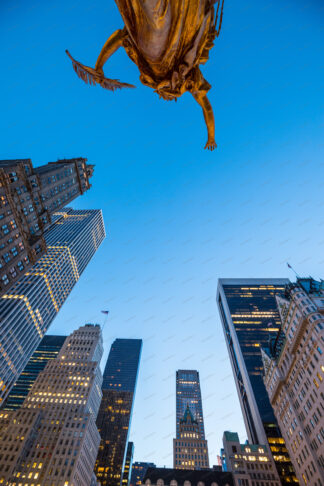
[294,377]
[28,198]
[185,477]
[190,450]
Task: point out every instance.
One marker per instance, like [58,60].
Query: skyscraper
[249,316]
[28,198]
[128,464]
[188,393]
[53,438]
[115,413]
[294,377]
[48,349]
[190,451]
[138,472]
[29,308]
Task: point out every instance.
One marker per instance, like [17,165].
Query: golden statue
[167,40]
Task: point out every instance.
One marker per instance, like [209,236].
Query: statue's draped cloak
[168,39]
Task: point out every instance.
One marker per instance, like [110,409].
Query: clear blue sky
[177,217]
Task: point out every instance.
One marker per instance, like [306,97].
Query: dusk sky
[177,217]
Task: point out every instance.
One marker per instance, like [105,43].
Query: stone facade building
[251,464]
[183,477]
[28,198]
[53,439]
[294,377]
[190,450]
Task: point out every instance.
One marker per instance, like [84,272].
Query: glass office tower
[115,413]
[249,316]
[48,349]
[128,464]
[27,311]
[138,472]
[188,393]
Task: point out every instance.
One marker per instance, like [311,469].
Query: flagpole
[289,266]
[105,320]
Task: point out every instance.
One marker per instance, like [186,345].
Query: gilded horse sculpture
[167,40]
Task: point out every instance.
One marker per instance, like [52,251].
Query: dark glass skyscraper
[188,393]
[27,311]
[249,316]
[115,413]
[138,472]
[48,349]
[122,365]
[128,464]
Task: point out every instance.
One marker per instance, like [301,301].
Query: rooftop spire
[187,416]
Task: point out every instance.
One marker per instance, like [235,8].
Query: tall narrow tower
[188,394]
[27,311]
[249,316]
[190,450]
[54,435]
[115,414]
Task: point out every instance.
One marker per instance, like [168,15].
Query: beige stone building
[53,439]
[294,377]
[190,451]
[250,464]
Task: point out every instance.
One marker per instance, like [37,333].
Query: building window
[6,257]
[13,272]
[13,176]
[14,251]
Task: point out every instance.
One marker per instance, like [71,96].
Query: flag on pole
[105,312]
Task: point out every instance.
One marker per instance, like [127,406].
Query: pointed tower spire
[283,307]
